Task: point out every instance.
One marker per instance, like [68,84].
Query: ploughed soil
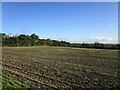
[61,67]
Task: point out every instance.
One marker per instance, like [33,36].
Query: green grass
[8,82]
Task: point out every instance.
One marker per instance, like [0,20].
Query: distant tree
[64,43]
[49,42]
[84,45]
[3,37]
[55,42]
[99,45]
[12,41]
[41,41]
[24,40]
[34,39]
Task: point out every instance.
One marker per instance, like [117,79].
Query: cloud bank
[89,40]
[104,39]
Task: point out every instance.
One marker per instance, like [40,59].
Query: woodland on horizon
[34,40]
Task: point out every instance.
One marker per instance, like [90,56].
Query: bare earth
[61,67]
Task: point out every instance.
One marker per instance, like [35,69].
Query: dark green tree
[24,40]
[34,39]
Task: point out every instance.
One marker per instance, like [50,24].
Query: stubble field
[59,67]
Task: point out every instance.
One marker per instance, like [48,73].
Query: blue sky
[69,21]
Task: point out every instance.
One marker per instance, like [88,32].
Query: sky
[75,22]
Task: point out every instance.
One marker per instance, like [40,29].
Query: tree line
[29,40]
[34,40]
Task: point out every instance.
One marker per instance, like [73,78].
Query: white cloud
[99,38]
[89,40]
[104,39]
[70,39]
